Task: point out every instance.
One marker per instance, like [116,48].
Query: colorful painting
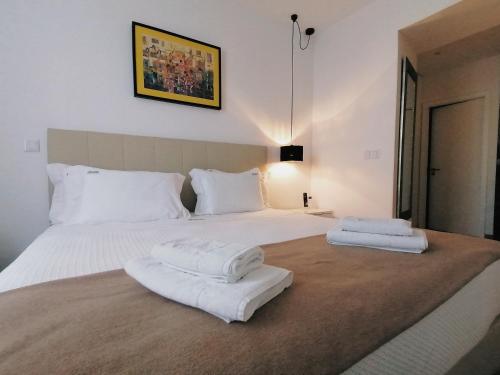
[174,68]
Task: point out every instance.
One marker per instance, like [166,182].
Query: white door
[455,169]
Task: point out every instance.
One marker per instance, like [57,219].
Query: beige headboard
[130,152]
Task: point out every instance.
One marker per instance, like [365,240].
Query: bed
[65,254]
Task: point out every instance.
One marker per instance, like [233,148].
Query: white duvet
[64,251]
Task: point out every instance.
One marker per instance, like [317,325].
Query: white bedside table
[324,212]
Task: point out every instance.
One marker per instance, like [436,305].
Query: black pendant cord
[300,38]
[291,106]
[303,49]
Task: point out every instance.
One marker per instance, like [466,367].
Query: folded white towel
[398,227]
[225,262]
[416,243]
[228,302]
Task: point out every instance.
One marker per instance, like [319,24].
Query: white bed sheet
[64,251]
[432,346]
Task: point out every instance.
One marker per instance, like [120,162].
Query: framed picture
[175,68]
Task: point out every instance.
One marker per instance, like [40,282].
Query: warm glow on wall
[281,170]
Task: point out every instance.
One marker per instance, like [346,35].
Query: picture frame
[174,68]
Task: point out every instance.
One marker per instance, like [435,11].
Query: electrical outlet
[372,154]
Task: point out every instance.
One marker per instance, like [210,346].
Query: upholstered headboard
[130,152]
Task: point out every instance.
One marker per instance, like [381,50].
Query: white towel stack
[385,234]
[221,261]
[227,280]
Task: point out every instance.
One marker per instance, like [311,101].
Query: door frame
[406,69]
[425,140]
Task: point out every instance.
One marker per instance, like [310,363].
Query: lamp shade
[291,153]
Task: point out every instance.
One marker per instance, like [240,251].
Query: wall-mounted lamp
[292,153]
[295,152]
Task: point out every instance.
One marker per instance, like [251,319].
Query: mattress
[432,346]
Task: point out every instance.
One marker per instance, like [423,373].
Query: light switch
[31,145]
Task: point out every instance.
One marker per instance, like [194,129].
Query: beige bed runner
[344,303]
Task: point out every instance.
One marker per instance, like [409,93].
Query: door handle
[434,170]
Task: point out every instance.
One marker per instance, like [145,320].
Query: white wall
[68,64]
[355,106]
[477,79]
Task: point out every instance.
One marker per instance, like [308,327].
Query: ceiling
[467,31]
[477,46]
[459,21]
[312,13]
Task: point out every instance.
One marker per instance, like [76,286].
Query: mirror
[406,139]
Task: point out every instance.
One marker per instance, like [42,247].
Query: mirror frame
[407,70]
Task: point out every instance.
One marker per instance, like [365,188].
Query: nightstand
[323,212]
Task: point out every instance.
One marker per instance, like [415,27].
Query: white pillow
[74,178]
[56,173]
[73,190]
[122,196]
[220,192]
[202,203]
[264,189]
